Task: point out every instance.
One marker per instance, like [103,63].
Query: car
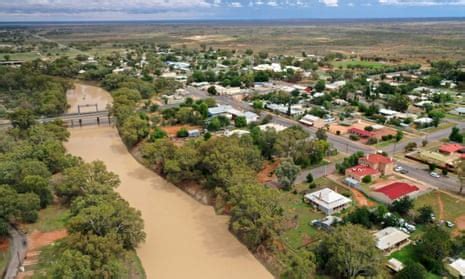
[411,228]
[404,171]
[398,169]
[434,174]
[449,224]
[404,230]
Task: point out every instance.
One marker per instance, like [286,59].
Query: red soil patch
[397,190]
[360,198]
[267,173]
[4,244]
[460,223]
[37,240]
[172,130]
[440,205]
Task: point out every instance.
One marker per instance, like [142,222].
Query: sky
[102,10]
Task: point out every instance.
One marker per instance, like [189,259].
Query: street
[417,171]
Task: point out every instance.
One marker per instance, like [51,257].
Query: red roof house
[379,162]
[450,148]
[360,171]
[397,190]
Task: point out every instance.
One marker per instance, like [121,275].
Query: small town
[116,154]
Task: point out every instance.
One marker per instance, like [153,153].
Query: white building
[274,67]
[328,201]
[457,268]
[312,120]
[230,112]
[336,85]
[390,239]
[276,127]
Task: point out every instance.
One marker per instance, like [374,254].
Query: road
[18,252]
[345,145]
[73,118]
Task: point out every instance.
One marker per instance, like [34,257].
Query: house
[390,239]
[237,132]
[276,127]
[361,133]
[424,121]
[388,113]
[457,268]
[378,162]
[360,171]
[335,85]
[395,265]
[193,133]
[250,117]
[450,148]
[312,120]
[230,112]
[460,110]
[328,201]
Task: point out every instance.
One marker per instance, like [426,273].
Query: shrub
[372,141]
[354,137]
[182,133]
[366,179]
[369,128]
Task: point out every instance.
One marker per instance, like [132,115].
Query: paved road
[421,172]
[316,173]
[18,253]
[418,171]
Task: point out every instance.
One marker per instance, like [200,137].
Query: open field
[407,40]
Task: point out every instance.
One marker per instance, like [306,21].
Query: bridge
[76,119]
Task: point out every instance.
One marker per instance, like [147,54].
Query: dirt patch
[360,198]
[440,205]
[267,173]
[460,223]
[4,244]
[37,240]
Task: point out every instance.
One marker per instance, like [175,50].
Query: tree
[460,170]
[107,216]
[287,173]
[22,118]
[350,252]
[399,135]
[321,134]
[413,270]
[86,179]
[432,166]
[158,133]
[455,135]
[425,215]
[320,85]
[398,102]
[309,177]
[71,264]
[402,206]
[434,246]
[366,179]
[360,216]
[182,133]
[134,130]
[287,139]
[240,122]
[212,90]
[256,214]
[257,104]
[410,146]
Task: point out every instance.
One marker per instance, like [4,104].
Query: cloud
[272,3]
[423,2]
[235,5]
[331,3]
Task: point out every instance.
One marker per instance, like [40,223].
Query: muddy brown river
[185,239]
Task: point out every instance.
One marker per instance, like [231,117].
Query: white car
[398,169]
[450,224]
[434,174]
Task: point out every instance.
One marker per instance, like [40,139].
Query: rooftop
[389,237]
[362,170]
[451,147]
[397,190]
[378,158]
[459,265]
[327,198]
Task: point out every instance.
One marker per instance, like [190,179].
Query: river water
[185,239]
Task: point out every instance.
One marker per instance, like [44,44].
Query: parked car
[398,168]
[449,224]
[411,228]
[434,174]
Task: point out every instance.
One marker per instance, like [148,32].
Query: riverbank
[184,237]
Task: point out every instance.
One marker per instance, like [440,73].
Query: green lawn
[407,255]
[4,257]
[50,219]
[359,64]
[453,207]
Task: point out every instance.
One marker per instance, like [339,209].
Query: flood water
[185,239]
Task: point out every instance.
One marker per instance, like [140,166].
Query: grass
[134,265]
[52,218]
[385,143]
[407,255]
[453,207]
[4,258]
[443,125]
[359,64]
